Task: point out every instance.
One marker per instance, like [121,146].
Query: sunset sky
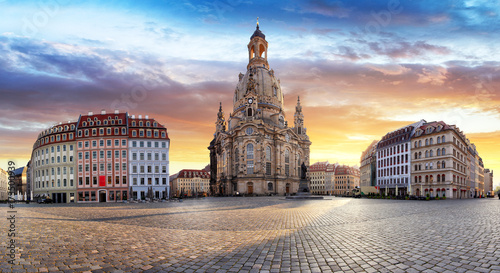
[361,68]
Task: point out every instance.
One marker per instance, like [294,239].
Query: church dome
[259,82]
[258,33]
[262,82]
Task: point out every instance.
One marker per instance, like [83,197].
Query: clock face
[250,100]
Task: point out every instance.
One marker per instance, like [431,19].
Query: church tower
[299,119]
[255,152]
[220,124]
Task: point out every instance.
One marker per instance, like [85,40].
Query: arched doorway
[102,196]
[250,187]
[418,192]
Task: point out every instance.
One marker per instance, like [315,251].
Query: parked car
[44,200]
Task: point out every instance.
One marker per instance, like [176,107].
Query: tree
[497,189]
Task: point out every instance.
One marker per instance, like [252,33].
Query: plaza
[258,234]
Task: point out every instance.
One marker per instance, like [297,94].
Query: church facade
[255,151]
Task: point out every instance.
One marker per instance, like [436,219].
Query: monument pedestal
[304,192]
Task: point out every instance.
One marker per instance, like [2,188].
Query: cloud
[404,49]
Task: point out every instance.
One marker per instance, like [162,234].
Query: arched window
[236,160]
[431,153]
[250,151]
[287,160]
[443,177]
[419,154]
[439,178]
[439,164]
[443,164]
[250,112]
[438,153]
[426,142]
[416,144]
[268,153]
[443,151]
[431,141]
[416,155]
[442,139]
[420,143]
[426,153]
[439,140]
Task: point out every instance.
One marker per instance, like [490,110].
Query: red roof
[187,173]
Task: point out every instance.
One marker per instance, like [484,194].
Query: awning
[443,189]
[426,190]
[463,190]
[438,190]
[454,189]
[431,189]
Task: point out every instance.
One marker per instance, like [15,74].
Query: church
[255,151]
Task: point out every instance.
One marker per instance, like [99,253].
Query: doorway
[287,188]
[102,196]
[250,188]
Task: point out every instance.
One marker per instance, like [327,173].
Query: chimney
[103,112]
[140,116]
[147,117]
[90,113]
[117,111]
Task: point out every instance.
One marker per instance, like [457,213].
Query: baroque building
[104,157]
[191,183]
[254,151]
[439,153]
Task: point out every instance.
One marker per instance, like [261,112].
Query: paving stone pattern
[260,234]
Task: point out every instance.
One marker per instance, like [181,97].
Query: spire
[220,124]
[220,115]
[298,108]
[299,119]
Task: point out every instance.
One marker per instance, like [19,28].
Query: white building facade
[148,161]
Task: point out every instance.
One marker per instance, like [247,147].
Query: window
[134,156]
[269,186]
[287,156]
[250,153]
[268,168]
[250,164]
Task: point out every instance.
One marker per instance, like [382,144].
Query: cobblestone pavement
[260,234]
